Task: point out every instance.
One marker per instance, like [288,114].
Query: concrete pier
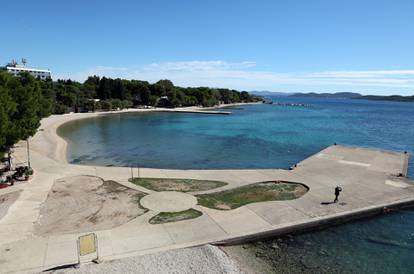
[197,111]
[370,179]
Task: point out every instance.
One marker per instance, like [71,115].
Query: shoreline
[61,145]
[365,193]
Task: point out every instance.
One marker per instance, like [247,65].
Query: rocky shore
[279,255]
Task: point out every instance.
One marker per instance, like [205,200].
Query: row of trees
[126,93]
[24,100]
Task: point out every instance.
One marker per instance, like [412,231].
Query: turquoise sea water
[269,136]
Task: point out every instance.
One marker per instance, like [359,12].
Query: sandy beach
[59,144]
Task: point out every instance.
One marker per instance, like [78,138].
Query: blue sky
[294,46]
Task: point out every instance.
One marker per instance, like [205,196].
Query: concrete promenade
[369,179]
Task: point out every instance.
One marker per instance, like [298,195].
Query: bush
[126,104]
[106,105]
[116,104]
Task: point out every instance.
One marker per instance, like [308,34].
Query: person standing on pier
[338,190]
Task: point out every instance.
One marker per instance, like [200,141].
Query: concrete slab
[168,201]
[22,255]
[105,243]
[113,173]
[397,183]
[277,213]
[200,229]
[61,252]
[142,238]
[237,221]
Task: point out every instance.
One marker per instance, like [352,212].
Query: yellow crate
[87,244]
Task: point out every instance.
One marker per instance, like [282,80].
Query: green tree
[20,109]
[153,100]
[7,108]
[104,89]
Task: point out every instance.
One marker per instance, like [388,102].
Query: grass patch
[137,199]
[259,192]
[182,185]
[168,217]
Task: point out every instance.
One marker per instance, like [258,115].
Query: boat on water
[270,102]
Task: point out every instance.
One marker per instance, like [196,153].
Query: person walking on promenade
[338,190]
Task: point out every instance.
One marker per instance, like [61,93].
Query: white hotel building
[16,69]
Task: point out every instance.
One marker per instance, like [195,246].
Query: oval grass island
[253,193]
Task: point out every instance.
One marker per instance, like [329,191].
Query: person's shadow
[329,203]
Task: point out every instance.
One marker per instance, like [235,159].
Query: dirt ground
[6,200]
[85,203]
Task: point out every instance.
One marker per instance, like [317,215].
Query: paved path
[368,178]
[168,201]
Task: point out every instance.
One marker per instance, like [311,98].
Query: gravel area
[203,259]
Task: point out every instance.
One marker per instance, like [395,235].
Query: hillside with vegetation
[337,95]
[24,100]
[398,98]
[353,95]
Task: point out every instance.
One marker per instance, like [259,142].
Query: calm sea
[269,136]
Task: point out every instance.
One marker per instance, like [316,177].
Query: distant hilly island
[270,93]
[338,95]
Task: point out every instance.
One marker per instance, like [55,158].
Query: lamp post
[28,152]
[10,160]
